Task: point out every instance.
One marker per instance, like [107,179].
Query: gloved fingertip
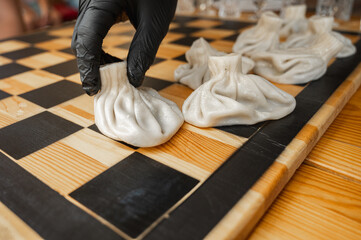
[135,77]
[91,88]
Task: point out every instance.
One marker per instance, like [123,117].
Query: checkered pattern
[47,122]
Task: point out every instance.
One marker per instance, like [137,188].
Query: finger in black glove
[151,19]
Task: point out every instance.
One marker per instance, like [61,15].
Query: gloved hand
[150,18]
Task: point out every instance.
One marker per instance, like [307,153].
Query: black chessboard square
[54,94]
[183,19]
[245,131]
[232,38]
[188,41]
[64,69]
[12,69]
[181,58]
[185,30]
[134,193]
[32,134]
[155,83]
[35,37]
[158,60]
[233,25]
[67,50]
[95,128]
[4,95]
[23,53]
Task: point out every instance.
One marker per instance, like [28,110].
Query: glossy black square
[95,128]
[23,53]
[186,30]
[32,134]
[233,25]
[155,83]
[64,69]
[187,41]
[4,95]
[134,193]
[181,58]
[54,94]
[241,130]
[35,37]
[12,69]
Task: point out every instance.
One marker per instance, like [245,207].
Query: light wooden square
[63,32]
[204,23]
[164,70]
[37,78]
[171,36]
[177,93]
[294,90]
[12,45]
[79,110]
[62,167]
[201,151]
[213,33]
[117,52]
[4,60]
[121,27]
[223,45]
[19,108]
[170,51]
[14,87]
[98,146]
[55,44]
[114,40]
[46,59]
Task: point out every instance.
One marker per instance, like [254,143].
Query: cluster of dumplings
[224,91]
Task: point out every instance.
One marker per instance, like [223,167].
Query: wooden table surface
[323,198]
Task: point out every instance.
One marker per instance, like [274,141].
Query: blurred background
[21,16]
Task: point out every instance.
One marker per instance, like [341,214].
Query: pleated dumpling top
[138,116]
[231,97]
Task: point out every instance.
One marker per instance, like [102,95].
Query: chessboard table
[60,178]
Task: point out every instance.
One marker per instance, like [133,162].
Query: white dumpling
[298,65]
[317,26]
[196,72]
[231,97]
[262,37]
[138,116]
[294,20]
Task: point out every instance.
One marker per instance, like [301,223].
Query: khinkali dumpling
[294,20]
[262,37]
[298,65]
[138,116]
[317,26]
[196,72]
[231,97]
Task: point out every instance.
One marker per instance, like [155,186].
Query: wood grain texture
[46,59]
[12,45]
[19,108]
[97,146]
[314,205]
[164,70]
[55,44]
[196,149]
[62,167]
[338,157]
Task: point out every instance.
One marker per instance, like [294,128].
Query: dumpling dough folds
[262,37]
[231,97]
[138,116]
[298,65]
[196,72]
[317,26]
[294,20]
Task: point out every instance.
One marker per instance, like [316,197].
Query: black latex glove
[150,18]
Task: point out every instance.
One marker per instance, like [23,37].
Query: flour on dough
[196,72]
[138,116]
[231,97]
